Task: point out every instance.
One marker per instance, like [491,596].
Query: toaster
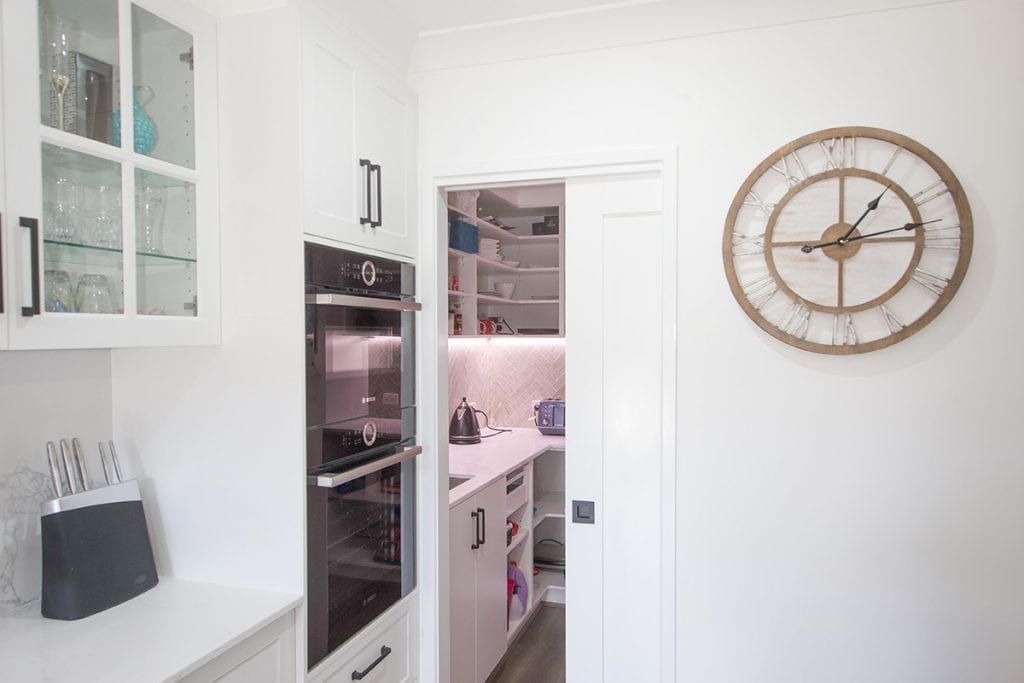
[550,416]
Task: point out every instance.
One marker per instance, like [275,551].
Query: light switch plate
[583,511]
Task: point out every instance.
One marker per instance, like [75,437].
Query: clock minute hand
[808,248]
[872,205]
[906,226]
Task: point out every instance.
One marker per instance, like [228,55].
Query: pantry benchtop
[161,635]
[495,457]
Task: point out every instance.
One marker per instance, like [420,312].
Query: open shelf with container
[499,270]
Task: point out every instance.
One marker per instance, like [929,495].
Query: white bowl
[505,289]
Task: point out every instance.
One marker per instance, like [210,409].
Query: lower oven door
[361,547]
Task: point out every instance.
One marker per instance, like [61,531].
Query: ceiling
[438,16]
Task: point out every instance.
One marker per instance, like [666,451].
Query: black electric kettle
[464,428]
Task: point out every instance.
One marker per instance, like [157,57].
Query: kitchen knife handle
[476,530]
[103,461]
[51,457]
[77,454]
[368,218]
[360,675]
[483,525]
[33,230]
[116,463]
[380,198]
[69,468]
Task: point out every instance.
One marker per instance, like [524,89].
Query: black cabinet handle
[476,530]
[360,675]
[368,218]
[380,198]
[483,525]
[33,230]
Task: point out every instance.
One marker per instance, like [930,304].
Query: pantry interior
[506,352]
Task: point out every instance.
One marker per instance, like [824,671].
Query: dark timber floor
[538,655]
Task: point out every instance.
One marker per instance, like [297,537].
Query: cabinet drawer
[389,649]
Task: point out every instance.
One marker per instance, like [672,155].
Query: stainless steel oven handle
[329,480]
[362,302]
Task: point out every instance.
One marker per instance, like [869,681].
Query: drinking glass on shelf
[106,223]
[57,292]
[150,215]
[60,224]
[93,294]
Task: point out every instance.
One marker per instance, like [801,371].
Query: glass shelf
[144,256]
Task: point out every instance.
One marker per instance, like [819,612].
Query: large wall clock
[847,240]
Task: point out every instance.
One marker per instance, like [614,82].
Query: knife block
[96,551]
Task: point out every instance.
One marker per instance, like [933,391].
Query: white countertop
[163,634]
[495,457]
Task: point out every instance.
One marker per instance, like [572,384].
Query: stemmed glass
[58,60]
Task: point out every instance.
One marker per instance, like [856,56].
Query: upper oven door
[359,364]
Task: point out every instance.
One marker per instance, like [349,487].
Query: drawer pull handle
[360,675]
[476,530]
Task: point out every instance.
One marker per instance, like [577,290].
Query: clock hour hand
[872,205]
[808,248]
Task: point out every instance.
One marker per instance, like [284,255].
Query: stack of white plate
[490,248]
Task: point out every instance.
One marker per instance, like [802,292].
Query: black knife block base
[96,552]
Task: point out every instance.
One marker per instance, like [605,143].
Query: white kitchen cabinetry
[531,263]
[268,656]
[359,145]
[478,584]
[111,232]
[384,652]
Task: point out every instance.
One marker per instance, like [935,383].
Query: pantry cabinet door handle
[360,675]
[368,218]
[33,230]
[476,530]
[483,525]
[380,198]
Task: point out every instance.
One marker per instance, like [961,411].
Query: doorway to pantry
[599,225]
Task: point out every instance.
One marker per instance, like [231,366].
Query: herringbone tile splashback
[504,379]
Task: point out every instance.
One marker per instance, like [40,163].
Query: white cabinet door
[462,577]
[359,145]
[478,588]
[112,235]
[267,656]
[334,185]
[491,581]
[387,138]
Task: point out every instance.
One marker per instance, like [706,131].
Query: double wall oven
[360,442]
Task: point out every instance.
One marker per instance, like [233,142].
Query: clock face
[847,240]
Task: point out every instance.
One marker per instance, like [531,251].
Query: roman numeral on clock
[839,152]
[929,193]
[797,320]
[795,173]
[747,245]
[891,321]
[936,284]
[843,331]
[760,291]
[754,200]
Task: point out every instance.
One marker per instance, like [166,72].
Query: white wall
[219,431]
[44,396]
[839,518]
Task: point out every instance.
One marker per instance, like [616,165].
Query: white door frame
[432,492]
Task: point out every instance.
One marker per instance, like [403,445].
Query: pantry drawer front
[385,658]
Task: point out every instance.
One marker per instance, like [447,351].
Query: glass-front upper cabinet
[111,228]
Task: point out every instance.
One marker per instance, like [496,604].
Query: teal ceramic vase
[145,129]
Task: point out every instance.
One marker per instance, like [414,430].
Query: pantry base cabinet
[478,584]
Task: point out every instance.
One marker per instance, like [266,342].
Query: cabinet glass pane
[82,253]
[78,67]
[163,89]
[165,242]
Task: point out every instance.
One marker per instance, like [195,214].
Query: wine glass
[93,294]
[150,210]
[58,60]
